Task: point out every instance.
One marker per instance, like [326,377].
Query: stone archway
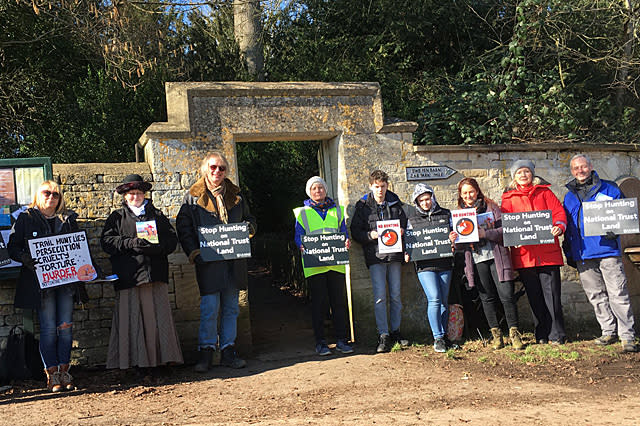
[347,117]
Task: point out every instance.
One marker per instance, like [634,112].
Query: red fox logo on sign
[389,237]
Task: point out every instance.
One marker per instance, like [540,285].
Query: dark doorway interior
[273,177]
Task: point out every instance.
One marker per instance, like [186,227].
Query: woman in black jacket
[434,274]
[215,200]
[139,237]
[46,216]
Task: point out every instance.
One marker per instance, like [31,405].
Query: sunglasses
[53,194]
[215,167]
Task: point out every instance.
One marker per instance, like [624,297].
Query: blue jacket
[576,246]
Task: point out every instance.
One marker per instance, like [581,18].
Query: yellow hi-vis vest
[312,223]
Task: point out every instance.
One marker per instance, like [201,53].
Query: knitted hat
[316,179]
[133,182]
[520,164]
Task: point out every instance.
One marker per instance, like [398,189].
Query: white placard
[5,236]
[62,259]
[465,223]
[389,236]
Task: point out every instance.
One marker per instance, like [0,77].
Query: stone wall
[347,119]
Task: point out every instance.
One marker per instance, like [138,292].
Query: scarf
[324,205]
[480,205]
[218,195]
[138,211]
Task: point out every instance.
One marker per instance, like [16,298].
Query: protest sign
[4,253]
[486,220]
[324,250]
[62,259]
[389,236]
[148,230]
[425,239]
[617,216]
[224,242]
[527,228]
[465,223]
[5,237]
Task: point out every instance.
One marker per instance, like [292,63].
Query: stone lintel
[284,136]
[179,96]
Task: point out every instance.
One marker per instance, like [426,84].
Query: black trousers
[491,289]
[328,289]
[542,284]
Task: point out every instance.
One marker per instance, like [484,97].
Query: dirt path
[287,384]
[414,386]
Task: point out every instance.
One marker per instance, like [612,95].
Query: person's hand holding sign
[556,231]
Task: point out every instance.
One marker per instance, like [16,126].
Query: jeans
[436,288]
[328,289]
[381,273]
[225,302]
[491,289]
[542,284]
[56,320]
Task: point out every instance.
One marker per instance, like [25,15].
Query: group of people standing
[489,266]
[143,333]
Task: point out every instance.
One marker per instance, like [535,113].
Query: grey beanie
[520,164]
[420,189]
[316,179]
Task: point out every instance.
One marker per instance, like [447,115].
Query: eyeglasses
[53,194]
[215,167]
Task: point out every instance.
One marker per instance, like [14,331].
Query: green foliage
[547,80]
[273,176]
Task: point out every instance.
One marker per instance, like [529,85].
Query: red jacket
[540,198]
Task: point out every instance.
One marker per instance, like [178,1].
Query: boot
[53,379]
[66,379]
[497,342]
[231,359]
[516,339]
[206,356]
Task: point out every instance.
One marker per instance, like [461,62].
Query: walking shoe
[449,344]
[384,343]
[204,363]
[496,341]
[542,341]
[230,358]
[322,349]
[516,339]
[53,379]
[66,379]
[396,337]
[627,346]
[439,345]
[344,347]
[605,340]
[560,341]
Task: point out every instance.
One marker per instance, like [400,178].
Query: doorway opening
[272,176]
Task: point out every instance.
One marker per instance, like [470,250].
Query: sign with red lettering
[389,236]
[465,223]
[62,259]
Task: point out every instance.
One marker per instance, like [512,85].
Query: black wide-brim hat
[133,182]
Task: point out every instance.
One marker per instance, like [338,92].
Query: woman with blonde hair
[215,200]
[46,216]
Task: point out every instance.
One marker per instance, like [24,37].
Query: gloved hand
[610,235]
[152,249]
[137,244]
[28,261]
